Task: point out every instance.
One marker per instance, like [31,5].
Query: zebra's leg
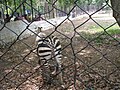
[55,69]
[46,72]
[60,70]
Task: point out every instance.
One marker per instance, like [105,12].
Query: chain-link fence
[90,39]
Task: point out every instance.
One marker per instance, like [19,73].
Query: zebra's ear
[39,29]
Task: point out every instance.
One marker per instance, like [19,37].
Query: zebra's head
[39,29]
[40,34]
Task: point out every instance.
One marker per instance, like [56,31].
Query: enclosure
[89,35]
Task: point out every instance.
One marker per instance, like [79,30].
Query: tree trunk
[116,10]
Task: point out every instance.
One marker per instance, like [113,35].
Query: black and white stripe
[49,48]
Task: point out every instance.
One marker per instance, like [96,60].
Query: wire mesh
[90,45]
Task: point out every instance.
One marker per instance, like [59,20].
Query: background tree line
[46,5]
[61,7]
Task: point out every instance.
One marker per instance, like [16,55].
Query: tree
[99,3]
[64,5]
[116,10]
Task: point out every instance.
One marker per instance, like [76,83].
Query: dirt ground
[87,65]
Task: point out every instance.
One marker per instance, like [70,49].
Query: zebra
[49,48]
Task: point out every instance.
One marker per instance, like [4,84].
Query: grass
[104,37]
[112,30]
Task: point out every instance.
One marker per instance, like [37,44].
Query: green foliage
[63,3]
[88,2]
